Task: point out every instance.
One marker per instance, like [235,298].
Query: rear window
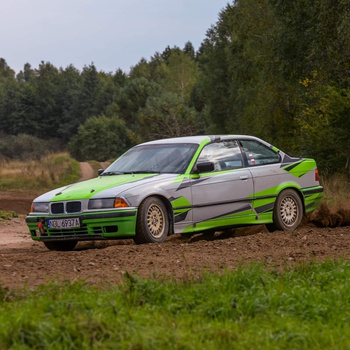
[258,154]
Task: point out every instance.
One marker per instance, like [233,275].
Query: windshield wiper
[108,173]
[141,172]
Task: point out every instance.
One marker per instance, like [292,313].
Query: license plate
[63,224]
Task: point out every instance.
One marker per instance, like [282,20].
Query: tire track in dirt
[177,258]
[86,170]
[23,261]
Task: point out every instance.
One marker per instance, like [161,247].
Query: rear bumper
[312,197]
[93,226]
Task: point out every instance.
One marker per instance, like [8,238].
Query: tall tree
[133,96]
[164,116]
[181,74]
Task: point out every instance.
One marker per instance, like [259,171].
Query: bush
[100,138]
[26,147]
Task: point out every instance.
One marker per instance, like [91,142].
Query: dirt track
[23,261]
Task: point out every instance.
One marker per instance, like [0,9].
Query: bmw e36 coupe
[179,185]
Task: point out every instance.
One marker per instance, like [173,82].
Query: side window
[225,155]
[257,153]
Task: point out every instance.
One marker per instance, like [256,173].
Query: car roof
[200,139]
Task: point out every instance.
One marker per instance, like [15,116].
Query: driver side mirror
[100,171]
[205,167]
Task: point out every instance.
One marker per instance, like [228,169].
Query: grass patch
[8,214]
[51,171]
[336,191]
[251,308]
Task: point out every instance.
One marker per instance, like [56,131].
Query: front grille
[57,208]
[73,207]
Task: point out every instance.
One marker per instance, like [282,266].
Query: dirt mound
[325,217]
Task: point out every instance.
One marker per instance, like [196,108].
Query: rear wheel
[152,221]
[63,246]
[288,211]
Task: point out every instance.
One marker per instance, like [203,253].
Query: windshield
[159,158]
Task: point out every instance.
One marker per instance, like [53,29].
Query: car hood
[113,185]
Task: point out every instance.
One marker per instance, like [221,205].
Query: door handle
[243,177]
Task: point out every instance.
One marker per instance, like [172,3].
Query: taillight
[317,177]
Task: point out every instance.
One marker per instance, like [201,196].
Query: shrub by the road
[51,171]
[8,214]
[26,147]
[251,308]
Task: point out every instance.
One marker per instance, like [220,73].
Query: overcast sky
[110,33]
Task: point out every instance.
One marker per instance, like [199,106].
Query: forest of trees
[276,69]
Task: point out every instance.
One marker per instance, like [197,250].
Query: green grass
[251,308]
[8,214]
[51,171]
[336,191]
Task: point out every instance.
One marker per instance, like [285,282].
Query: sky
[111,34]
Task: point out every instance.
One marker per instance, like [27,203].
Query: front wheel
[288,211]
[152,221]
[62,246]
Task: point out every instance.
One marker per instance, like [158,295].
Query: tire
[152,221]
[288,211]
[62,246]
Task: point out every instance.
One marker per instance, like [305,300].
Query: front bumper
[111,224]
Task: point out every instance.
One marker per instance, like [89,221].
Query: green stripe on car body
[312,197]
[187,174]
[181,202]
[242,217]
[275,190]
[87,189]
[196,155]
[300,168]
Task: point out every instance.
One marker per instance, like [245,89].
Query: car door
[265,166]
[220,197]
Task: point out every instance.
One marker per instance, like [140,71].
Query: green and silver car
[179,185]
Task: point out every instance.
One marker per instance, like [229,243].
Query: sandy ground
[25,262]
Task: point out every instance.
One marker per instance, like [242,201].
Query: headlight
[40,207]
[101,203]
[105,203]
